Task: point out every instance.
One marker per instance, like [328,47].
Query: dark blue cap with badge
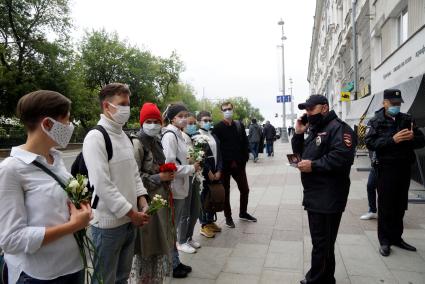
[393,95]
[314,100]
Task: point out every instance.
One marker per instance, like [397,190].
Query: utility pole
[292,103]
[355,55]
[284,133]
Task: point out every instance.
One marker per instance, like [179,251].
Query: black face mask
[315,119]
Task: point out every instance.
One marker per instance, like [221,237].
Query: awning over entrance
[357,109]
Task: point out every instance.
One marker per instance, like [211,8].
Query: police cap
[314,100]
[393,95]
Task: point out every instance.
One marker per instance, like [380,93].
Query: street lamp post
[284,133]
[292,103]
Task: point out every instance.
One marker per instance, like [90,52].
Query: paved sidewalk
[277,248]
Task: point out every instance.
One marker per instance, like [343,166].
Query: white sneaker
[368,216]
[186,248]
[194,244]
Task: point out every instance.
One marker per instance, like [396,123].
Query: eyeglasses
[206,120]
[227,109]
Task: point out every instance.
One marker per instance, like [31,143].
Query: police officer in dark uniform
[327,155]
[394,136]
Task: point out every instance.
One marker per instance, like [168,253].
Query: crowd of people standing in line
[131,245]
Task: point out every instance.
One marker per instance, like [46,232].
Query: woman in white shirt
[175,151]
[36,217]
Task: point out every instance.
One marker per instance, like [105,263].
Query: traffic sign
[282,99]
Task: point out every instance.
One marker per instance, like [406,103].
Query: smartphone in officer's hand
[304,119]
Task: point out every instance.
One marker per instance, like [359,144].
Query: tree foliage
[36,53]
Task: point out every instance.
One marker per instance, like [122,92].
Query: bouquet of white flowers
[78,193]
[157,203]
[197,154]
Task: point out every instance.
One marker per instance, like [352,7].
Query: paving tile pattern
[277,249]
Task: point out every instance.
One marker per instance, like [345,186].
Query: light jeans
[115,248]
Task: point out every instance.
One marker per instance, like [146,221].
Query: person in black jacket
[327,155]
[269,133]
[393,136]
[234,151]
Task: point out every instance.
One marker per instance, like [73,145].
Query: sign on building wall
[345,96]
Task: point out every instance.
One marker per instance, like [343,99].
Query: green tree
[24,48]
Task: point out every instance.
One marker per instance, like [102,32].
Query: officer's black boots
[384,250]
[402,244]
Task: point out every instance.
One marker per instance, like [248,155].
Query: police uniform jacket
[379,138]
[330,146]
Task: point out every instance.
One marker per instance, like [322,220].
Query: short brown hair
[36,105]
[202,114]
[225,104]
[110,90]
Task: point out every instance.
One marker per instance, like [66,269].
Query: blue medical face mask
[206,125]
[191,129]
[393,110]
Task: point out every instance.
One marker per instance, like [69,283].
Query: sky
[229,47]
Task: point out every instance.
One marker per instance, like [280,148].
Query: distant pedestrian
[327,155]
[234,150]
[270,135]
[254,138]
[393,135]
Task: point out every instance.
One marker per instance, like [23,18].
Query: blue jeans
[205,217]
[74,278]
[115,248]
[269,147]
[372,184]
[254,149]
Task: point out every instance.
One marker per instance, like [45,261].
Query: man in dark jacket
[234,151]
[254,138]
[269,133]
[327,155]
[393,136]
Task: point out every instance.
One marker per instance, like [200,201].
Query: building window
[402,23]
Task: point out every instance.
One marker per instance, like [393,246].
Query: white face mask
[181,122]
[60,133]
[228,114]
[151,129]
[122,115]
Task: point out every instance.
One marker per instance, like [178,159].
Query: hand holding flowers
[157,203]
[80,215]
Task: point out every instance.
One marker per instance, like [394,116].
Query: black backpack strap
[49,172]
[177,140]
[108,142]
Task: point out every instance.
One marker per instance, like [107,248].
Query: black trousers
[323,231]
[238,173]
[393,189]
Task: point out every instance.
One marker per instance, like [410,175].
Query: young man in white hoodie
[121,205]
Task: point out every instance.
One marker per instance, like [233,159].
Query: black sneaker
[230,223]
[187,268]
[247,217]
[179,272]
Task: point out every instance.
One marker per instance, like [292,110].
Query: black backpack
[79,165]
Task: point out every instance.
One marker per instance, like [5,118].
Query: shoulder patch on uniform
[348,140]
